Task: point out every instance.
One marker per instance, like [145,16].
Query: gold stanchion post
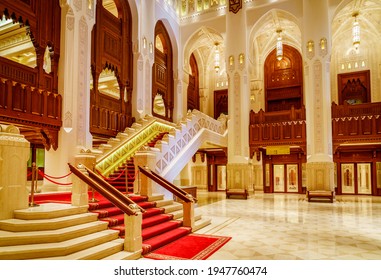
[93,199]
[33,186]
[126,175]
[138,175]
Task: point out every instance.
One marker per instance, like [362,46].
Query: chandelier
[216,58]
[279,46]
[356,32]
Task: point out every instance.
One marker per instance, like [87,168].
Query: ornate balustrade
[180,144]
[172,152]
[27,105]
[356,123]
[277,128]
[118,149]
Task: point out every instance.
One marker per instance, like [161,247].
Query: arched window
[162,75]
[193,86]
[112,69]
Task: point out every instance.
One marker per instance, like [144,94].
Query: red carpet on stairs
[190,247]
[158,228]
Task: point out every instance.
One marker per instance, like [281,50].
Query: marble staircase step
[21,225]
[56,249]
[8,238]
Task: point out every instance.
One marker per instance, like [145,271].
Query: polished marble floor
[288,227]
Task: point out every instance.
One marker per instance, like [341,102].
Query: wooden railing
[25,104]
[277,128]
[178,192]
[111,188]
[356,123]
[119,200]
[24,101]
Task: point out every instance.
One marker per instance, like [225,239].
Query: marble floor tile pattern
[288,227]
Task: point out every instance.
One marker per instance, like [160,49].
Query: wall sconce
[323,46]
[150,48]
[310,49]
[216,58]
[310,46]
[231,60]
[144,43]
[241,58]
[279,46]
[356,31]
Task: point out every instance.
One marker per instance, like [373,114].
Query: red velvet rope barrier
[111,179]
[54,182]
[100,174]
[133,177]
[61,177]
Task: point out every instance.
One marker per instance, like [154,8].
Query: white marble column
[316,29]
[239,100]
[77,20]
[144,56]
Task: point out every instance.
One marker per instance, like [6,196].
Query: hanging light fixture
[279,46]
[356,31]
[216,58]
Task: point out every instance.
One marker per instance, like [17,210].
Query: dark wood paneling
[112,49]
[354,87]
[284,80]
[193,95]
[277,128]
[220,102]
[296,156]
[29,96]
[162,73]
[356,123]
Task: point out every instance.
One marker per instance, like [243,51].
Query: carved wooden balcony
[286,127]
[354,124]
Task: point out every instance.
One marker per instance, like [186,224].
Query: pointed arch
[193,94]
[112,50]
[162,74]
[284,80]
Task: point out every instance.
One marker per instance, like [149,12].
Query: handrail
[172,185]
[111,188]
[121,203]
[165,184]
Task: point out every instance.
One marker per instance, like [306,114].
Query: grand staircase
[57,230]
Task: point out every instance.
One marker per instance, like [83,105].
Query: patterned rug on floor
[190,247]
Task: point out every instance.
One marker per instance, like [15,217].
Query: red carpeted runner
[190,247]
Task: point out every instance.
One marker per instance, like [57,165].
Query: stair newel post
[33,185]
[188,213]
[80,190]
[14,155]
[145,158]
[133,240]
